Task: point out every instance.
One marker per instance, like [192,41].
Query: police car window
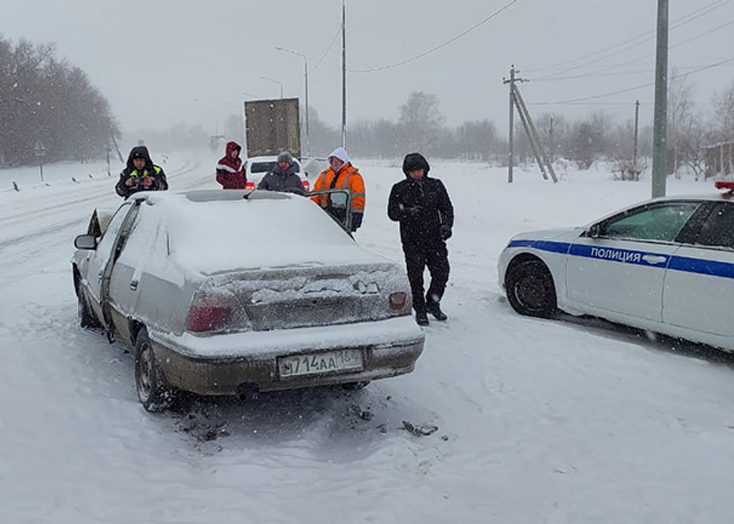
[658,224]
[718,230]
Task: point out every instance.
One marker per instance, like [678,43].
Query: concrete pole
[344,75]
[660,146]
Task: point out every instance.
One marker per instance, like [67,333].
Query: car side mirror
[85,242]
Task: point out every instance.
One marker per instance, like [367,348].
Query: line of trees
[596,136]
[45,98]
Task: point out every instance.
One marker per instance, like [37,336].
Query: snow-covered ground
[538,421]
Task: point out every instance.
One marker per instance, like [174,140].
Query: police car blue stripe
[702,267]
[553,247]
[625,256]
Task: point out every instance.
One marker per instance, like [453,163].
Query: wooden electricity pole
[511,153]
[517,102]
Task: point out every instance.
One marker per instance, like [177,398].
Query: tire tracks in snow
[22,248]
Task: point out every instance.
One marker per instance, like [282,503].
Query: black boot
[434,309]
[421,318]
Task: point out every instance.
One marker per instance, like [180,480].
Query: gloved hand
[445,232]
[413,212]
[356,221]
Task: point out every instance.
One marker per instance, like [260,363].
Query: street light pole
[305,76]
[276,81]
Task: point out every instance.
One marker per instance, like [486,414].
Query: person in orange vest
[341,174]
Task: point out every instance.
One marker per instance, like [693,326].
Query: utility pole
[344,74]
[660,149]
[511,154]
[552,149]
[637,127]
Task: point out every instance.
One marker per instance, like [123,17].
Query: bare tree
[422,122]
[680,110]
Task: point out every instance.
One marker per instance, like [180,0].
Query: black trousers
[436,258]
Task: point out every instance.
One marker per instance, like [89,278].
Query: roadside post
[40,151]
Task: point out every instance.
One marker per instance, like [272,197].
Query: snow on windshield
[210,235]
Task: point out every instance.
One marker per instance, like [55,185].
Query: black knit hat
[414,162]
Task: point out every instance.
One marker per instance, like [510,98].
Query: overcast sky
[161,62]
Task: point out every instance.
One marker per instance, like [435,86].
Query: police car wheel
[152,392]
[530,289]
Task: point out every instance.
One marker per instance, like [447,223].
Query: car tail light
[216,312]
[306,185]
[724,184]
[250,186]
[400,303]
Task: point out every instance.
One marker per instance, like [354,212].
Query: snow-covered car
[228,292]
[665,265]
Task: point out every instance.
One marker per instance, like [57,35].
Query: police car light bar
[724,184]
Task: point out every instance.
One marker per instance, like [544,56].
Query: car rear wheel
[530,289]
[152,391]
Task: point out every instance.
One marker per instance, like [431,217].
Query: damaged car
[230,292]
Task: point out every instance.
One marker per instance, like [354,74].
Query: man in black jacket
[423,208]
[140,174]
[283,176]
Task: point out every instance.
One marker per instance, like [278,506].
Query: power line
[328,49]
[630,43]
[634,88]
[440,46]
[599,72]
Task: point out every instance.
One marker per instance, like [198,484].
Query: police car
[666,265]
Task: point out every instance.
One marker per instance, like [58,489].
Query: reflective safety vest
[348,178]
[134,173]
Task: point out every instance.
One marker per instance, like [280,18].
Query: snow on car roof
[214,231]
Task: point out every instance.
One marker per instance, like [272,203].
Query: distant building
[719,159]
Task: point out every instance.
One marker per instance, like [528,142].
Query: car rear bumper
[231,363]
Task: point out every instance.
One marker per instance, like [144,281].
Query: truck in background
[273,126]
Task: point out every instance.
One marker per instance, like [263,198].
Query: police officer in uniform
[140,174]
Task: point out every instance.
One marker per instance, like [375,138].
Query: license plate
[321,363]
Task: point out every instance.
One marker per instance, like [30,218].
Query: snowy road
[539,422]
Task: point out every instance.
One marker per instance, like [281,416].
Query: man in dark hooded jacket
[140,174]
[422,206]
[283,177]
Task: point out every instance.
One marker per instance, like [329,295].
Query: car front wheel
[152,391]
[530,289]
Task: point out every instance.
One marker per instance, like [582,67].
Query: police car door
[617,268]
[699,283]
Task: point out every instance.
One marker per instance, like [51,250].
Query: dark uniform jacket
[422,207]
[160,182]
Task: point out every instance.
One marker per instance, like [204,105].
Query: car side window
[718,230]
[113,228]
[660,223]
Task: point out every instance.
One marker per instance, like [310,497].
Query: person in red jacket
[230,170]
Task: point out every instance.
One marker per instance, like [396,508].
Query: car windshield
[277,230]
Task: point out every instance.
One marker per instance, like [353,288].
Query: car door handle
[134,285]
[653,259]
